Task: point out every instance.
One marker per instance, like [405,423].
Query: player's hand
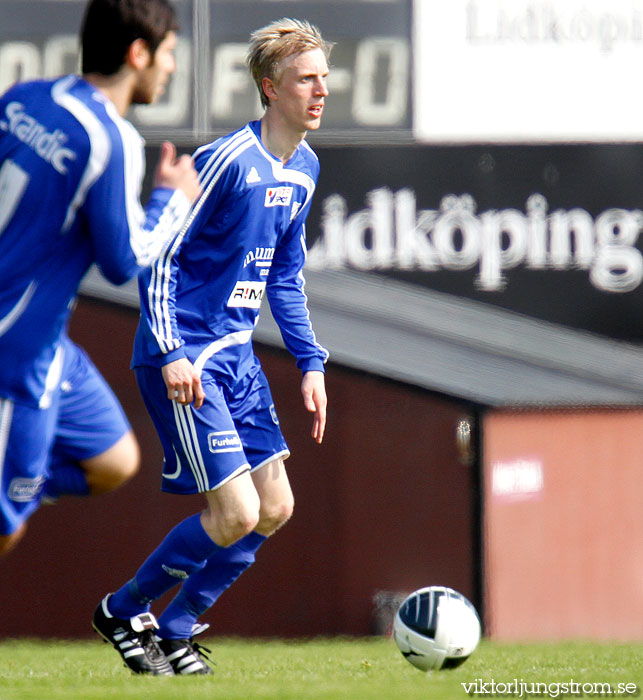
[177,173]
[313,389]
[183,383]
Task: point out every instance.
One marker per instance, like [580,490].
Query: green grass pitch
[321,669]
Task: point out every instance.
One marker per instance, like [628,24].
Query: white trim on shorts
[190,443]
[243,468]
[284,454]
[6,416]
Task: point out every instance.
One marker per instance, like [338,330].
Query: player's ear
[138,54]
[268,87]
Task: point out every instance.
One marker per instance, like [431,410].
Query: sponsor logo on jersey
[253,176]
[224,441]
[247,294]
[47,144]
[23,490]
[278,196]
[261,257]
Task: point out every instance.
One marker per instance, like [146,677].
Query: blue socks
[183,552]
[203,588]
[66,480]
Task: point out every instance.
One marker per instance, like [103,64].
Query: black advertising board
[553,232]
[211,91]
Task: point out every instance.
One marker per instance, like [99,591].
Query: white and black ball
[436,628]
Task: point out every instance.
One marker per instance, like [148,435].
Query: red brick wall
[563,524]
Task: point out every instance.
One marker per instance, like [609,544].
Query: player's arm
[285,291]
[176,173]
[127,236]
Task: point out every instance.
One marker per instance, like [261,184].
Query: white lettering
[224,441]
[247,294]
[556,23]
[390,233]
[48,145]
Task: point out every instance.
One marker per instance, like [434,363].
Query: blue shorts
[235,430]
[83,420]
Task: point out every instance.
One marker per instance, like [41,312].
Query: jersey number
[13,182]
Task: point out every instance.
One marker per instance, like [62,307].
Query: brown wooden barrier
[384,505]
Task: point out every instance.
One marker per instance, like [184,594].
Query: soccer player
[193,354]
[71,170]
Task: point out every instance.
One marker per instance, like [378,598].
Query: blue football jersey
[71,172]
[243,240]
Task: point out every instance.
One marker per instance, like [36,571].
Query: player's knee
[8,542]
[5,545]
[240,526]
[274,515]
[226,529]
[130,463]
[114,467]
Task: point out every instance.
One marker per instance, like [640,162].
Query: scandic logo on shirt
[278,196]
[224,441]
[48,145]
[247,294]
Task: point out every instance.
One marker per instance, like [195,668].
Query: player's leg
[26,436]
[201,590]
[179,557]
[202,454]
[232,512]
[178,624]
[8,542]
[265,447]
[195,462]
[113,467]
[275,495]
[95,450]
[224,567]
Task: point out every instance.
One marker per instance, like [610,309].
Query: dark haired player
[71,170]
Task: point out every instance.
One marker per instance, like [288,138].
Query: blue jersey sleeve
[127,236]
[288,302]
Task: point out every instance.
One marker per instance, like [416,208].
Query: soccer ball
[436,628]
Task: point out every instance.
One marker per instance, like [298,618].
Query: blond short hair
[276,41]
